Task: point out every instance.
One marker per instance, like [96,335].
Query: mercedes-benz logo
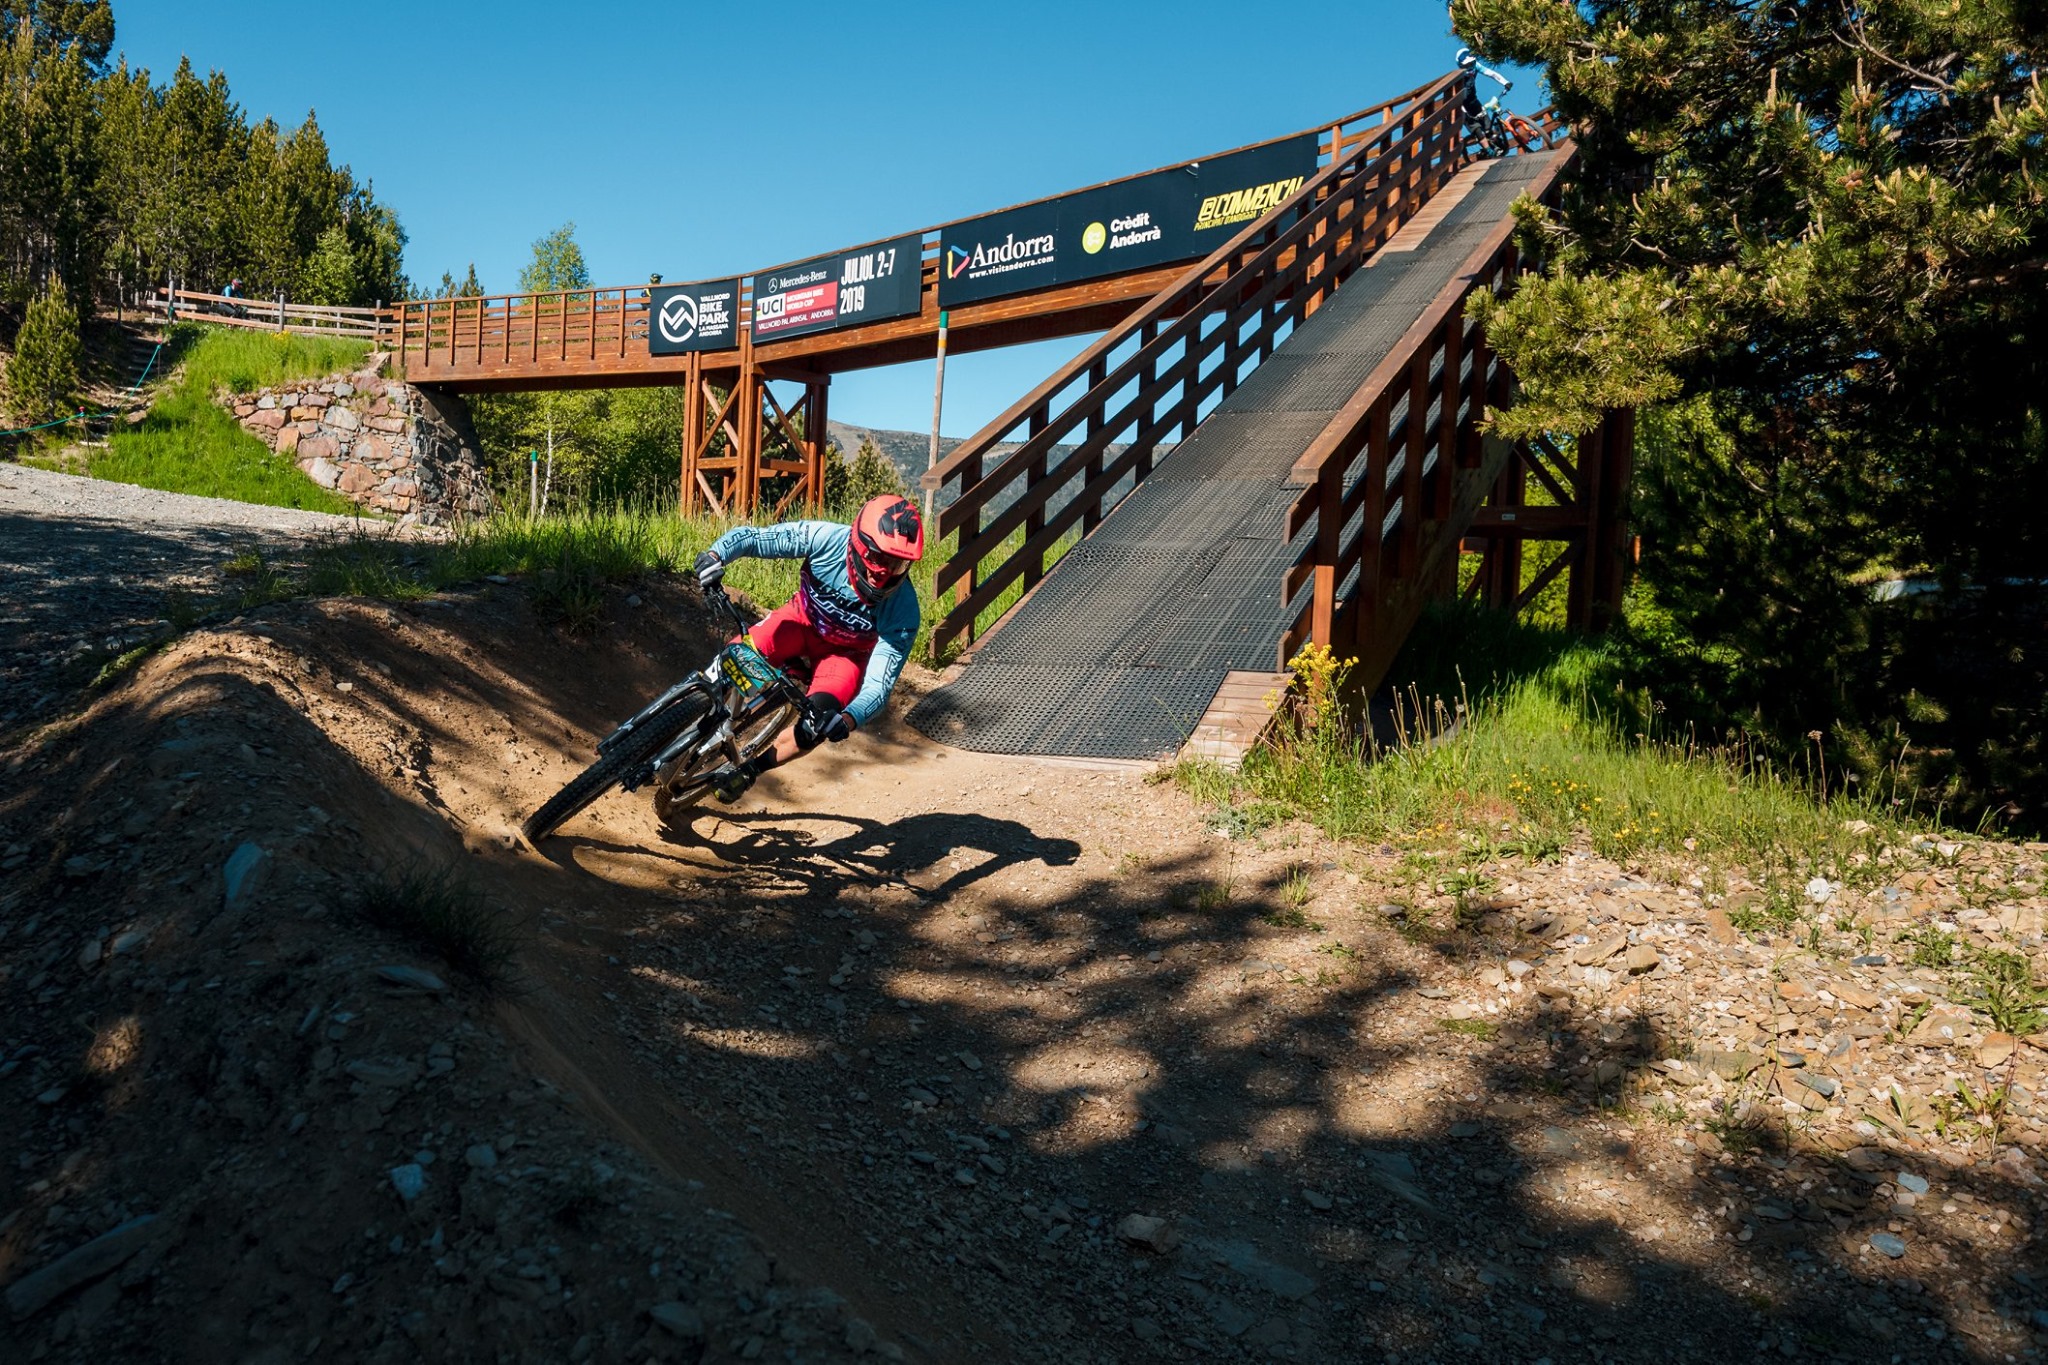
[678,318]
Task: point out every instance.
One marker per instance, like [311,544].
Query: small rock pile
[385,445]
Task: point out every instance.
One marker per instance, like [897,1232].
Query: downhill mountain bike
[729,713]
[1495,130]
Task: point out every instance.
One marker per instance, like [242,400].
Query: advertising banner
[1129,226]
[693,317]
[843,290]
[1168,216]
[1004,253]
[1238,188]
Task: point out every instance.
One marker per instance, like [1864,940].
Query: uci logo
[678,318]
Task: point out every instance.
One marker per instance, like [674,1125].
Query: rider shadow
[875,851]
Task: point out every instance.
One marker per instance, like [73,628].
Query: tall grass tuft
[443,910]
[242,361]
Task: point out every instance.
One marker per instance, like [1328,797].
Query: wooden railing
[1154,377]
[506,330]
[1395,477]
[270,315]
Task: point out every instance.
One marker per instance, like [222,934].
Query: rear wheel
[642,744]
[677,794]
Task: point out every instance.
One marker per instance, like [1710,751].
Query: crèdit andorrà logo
[678,318]
[1094,237]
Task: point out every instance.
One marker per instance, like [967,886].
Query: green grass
[243,361]
[1547,751]
[189,444]
[567,562]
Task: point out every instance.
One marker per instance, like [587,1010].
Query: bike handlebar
[721,598]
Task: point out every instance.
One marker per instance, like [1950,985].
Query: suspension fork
[659,704]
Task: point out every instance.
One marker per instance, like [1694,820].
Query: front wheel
[652,735]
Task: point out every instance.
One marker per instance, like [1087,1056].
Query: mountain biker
[853,620]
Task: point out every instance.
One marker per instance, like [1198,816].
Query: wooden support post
[1514,482]
[1415,443]
[1322,627]
[970,475]
[816,429]
[1444,484]
[1607,535]
[1586,475]
[1371,543]
[746,489]
[1092,517]
[693,434]
[1034,568]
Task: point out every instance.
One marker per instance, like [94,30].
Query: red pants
[787,635]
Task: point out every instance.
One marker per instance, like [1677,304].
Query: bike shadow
[875,852]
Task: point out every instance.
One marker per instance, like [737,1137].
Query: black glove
[710,570]
[822,719]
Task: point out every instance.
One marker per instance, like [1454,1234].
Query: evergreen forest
[113,181]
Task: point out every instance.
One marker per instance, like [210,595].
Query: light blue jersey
[838,613]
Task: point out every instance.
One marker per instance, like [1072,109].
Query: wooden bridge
[599,338]
[1281,442]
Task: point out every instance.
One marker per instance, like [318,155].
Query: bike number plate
[746,668]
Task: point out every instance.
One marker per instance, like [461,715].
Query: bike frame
[731,709]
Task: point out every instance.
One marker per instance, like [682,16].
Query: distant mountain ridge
[907,450]
[910,451]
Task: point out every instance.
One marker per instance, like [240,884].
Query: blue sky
[703,140]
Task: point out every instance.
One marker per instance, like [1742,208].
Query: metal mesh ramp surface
[1120,650]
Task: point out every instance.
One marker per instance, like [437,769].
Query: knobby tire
[656,734]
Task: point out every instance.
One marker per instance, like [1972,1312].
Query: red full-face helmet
[887,538]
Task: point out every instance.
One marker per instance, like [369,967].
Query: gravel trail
[86,567]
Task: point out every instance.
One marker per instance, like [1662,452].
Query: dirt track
[88,568]
[926,1027]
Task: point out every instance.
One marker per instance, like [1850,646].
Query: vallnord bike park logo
[678,319]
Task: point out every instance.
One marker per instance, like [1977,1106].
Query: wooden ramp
[1237,719]
[1169,620]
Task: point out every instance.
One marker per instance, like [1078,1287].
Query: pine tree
[85,26]
[43,377]
[1819,235]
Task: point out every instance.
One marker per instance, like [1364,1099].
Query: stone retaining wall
[382,444]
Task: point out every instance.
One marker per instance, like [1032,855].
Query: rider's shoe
[730,782]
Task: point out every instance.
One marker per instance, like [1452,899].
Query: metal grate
[1049,709]
[1242,445]
[1183,513]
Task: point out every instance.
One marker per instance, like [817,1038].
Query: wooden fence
[1398,474]
[269,315]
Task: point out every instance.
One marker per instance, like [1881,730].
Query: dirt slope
[885,1059]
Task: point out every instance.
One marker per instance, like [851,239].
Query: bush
[42,379]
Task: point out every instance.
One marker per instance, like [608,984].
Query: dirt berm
[913,1053]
